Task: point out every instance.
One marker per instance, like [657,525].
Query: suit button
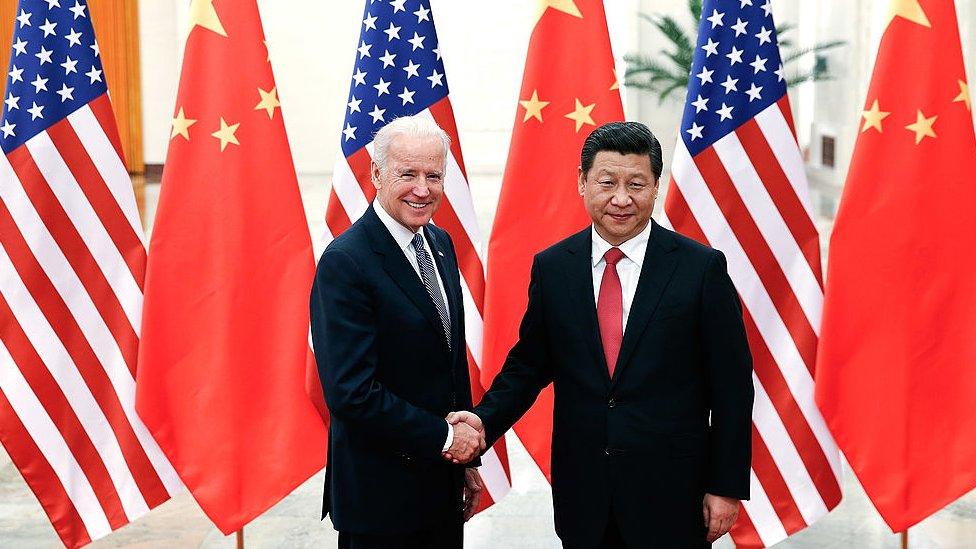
[607,451]
[612,403]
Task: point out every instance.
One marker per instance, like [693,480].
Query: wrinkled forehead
[412,149]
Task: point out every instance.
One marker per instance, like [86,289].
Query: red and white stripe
[351,194]
[747,196]
[72,262]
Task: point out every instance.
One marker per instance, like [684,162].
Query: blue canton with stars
[736,73]
[398,70]
[55,68]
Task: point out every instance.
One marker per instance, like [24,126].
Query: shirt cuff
[450,437]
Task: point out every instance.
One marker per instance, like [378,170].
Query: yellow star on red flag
[533,107]
[581,115]
[873,117]
[922,127]
[203,14]
[964,96]
[565,6]
[181,125]
[226,134]
[269,101]
[908,9]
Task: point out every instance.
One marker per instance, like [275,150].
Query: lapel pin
[440,253]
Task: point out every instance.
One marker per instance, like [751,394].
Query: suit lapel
[579,275]
[656,273]
[396,265]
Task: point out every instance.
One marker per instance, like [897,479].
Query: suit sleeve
[344,342]
[465,372]
[728,367]
[527,369]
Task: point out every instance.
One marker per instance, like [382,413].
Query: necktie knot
[613,256]
[418,241]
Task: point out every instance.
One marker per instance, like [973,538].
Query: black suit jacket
[673,423]
[389,379]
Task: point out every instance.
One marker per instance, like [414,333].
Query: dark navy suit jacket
[674,421]
[389,379]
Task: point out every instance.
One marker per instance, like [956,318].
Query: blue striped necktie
[429,277]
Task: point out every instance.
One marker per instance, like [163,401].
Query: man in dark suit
[640,331]
[388,334]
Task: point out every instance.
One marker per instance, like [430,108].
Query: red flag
[895,371]
[221,381]
[568,88]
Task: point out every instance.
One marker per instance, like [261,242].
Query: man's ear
[581,181]
[374,174]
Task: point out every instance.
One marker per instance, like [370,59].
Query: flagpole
[904,539]
[240,538]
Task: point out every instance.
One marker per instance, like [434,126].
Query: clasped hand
[469,437]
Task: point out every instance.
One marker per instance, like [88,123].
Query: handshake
[469,437]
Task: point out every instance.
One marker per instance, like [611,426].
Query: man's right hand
[467,417]
[468,442]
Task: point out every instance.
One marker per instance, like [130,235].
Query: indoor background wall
[312,45]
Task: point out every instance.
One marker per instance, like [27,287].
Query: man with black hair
[640,330]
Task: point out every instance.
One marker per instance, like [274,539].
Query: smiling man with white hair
[388,334]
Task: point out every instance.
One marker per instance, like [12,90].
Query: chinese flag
[896,369]
[569,87]
[221,381]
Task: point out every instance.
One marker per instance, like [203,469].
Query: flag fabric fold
[738,184]
[72,263]
[222,378]
[895,373]
[399,71]
[569,87]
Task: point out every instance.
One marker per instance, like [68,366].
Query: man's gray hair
[415,126]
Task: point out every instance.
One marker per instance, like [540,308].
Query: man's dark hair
[623,138]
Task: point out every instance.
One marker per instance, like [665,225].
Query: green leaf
[637,63]
[670,89]
[695,7]
[673,31]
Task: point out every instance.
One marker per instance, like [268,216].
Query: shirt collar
[402,235]
[633,249]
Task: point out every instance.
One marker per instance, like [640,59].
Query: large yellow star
[565,6]
[582,115]
[909,9]
[533,107]
[181,125]
[269,100]
[873,117]
[964,95]
[203,14]
[226,134]
[922,127]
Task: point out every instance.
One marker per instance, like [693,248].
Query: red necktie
[610,309]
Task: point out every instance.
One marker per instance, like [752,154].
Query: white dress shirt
[404,238]
[628,268]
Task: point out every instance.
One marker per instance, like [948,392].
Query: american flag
[399,72]
[738,184]
[72,261]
